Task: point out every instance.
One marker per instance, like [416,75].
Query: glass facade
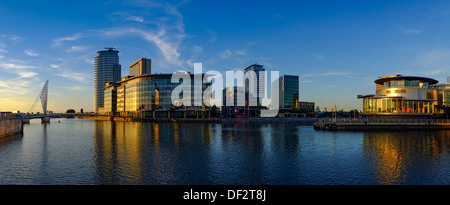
[397,106]
[110,99]
[289,92]
[147,93]
[402,95]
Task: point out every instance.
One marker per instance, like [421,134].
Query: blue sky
[338,48]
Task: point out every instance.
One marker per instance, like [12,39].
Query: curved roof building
[398,95]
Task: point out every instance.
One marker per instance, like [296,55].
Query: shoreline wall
[10,126]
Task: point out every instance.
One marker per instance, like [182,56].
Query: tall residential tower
[107,69]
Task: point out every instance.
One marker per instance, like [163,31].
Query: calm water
[77,151]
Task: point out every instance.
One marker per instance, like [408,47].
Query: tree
[70,111]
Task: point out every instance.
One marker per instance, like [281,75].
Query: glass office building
[398,95]
[443,89]
[144,95]
[288,92]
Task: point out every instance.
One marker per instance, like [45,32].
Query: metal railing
[370,120]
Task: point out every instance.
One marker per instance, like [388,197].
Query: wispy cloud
[129,17]
[225,54]
[3,48]
[241,52]
[31,53]
[166,36]
[434,63]
[213,35]
[59,41]
[15,66]
[410,31]
[55,66]
[332,86]
[329,73]
[319,57]
[135,18]
[76,76]
[14,87]
[76,49]
[21,70]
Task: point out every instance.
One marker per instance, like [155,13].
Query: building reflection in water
[403,157]
[190,153]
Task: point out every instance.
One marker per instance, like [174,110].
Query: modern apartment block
[107,69]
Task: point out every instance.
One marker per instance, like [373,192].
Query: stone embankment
[10,126]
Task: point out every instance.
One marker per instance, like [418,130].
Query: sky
[338,48]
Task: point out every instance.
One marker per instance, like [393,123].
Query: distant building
[149,95]
[306,107]
[443,106]
[288,92]
[106,69]
[255,86]
[142,66]
[406,96]
[110,96]
[233,101]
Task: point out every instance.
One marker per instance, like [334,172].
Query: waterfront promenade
[381,124]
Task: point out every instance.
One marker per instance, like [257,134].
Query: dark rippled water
[77,151]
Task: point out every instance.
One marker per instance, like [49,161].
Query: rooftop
[383,79]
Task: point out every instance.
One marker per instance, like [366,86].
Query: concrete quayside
[381,124]
[10,126]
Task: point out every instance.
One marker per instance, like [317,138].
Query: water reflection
[10,139]
[188,153]
[411,157]
[103,152]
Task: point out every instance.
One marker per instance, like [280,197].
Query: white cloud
[241,52]
[434,63]
[129,17]
[330,73]
[80,77]
[167,36]
[30,52]
[332,86]
[59,41]
[76,49]
[14,87]
[225,54]
[22,70]
[26,74]
[410,31]
[90,61]
[15,66]
[15,38]
[213,35]
[319,57]
[135,18]
[3,48]
[55,66]
[78,88]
